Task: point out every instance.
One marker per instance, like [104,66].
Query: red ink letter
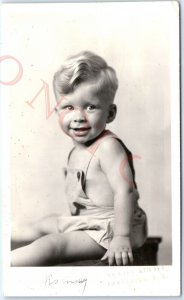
[123,165]
[44,88]
[20,72]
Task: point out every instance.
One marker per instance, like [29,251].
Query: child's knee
[54,243]
[61,245]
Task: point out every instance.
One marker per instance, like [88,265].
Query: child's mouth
[80,131]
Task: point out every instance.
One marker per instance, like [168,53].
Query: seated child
[106,221]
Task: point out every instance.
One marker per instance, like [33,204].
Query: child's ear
[112,113]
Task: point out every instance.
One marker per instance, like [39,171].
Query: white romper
[97,221]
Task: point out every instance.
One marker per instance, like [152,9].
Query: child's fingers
[105,257]
[118,257]
[111,259]
[125,258]
[130,256]
[108,256]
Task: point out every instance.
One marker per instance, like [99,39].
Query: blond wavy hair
[86,66]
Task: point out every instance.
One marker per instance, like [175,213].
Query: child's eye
[59,109]
[68,107]
[90,107]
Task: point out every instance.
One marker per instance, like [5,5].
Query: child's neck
[89,143]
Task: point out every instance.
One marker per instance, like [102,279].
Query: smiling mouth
[80,131]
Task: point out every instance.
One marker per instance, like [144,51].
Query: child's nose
[79,116]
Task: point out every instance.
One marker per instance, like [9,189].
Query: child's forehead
[86,91]
[89,87]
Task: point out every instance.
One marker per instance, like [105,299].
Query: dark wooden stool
[144,256]
[147,255]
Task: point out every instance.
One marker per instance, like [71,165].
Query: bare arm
[114,163]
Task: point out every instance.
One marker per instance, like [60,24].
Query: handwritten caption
[80,283]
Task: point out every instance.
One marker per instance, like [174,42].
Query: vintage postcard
[90,122]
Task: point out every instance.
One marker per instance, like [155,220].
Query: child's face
[83,114]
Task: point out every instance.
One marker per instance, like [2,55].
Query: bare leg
[54,249]
[24,234]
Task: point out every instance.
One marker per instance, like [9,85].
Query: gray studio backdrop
[137,40]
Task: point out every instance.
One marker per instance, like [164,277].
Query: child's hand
[120,251]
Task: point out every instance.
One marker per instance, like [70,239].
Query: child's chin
[80,138]
[87,141]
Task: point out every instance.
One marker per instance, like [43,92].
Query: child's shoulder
[110,145]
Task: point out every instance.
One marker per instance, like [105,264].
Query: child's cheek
[62,120]
[99,125]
